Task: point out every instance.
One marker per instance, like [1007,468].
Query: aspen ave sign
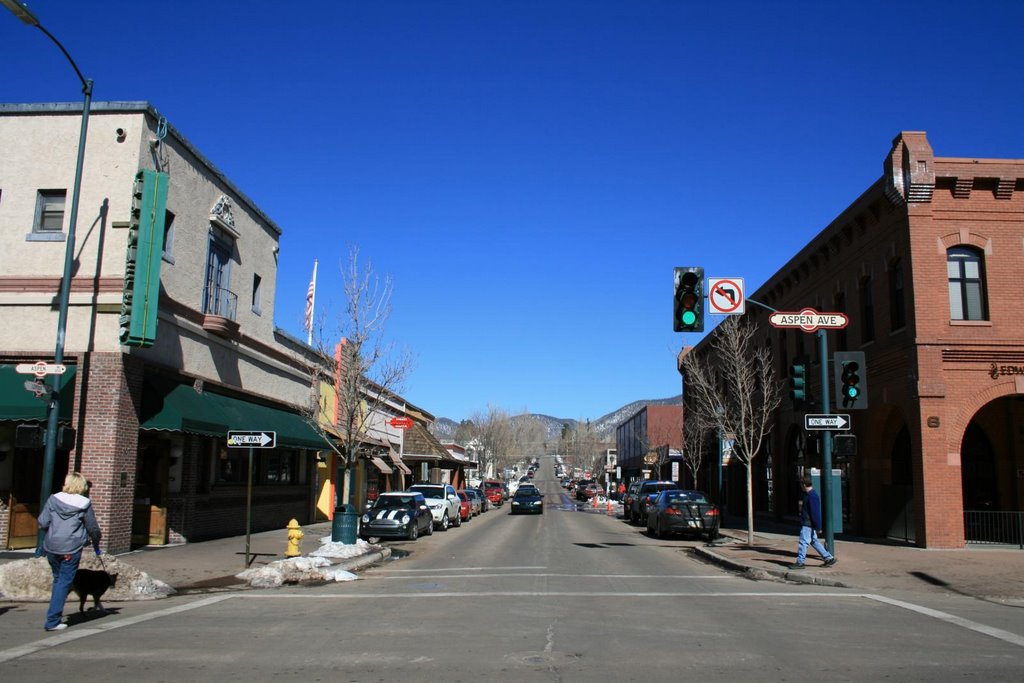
[809,320]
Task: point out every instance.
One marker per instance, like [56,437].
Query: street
[570,595]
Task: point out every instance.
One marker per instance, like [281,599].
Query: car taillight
[713,512]
[673,511]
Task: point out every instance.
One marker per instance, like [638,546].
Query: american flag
[310,296]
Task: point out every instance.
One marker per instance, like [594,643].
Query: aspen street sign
[40,368]
[827,422]
[809,320]
[252,439]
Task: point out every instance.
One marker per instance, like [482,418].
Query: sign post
[250,440]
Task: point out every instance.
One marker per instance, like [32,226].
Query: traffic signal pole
[826,448]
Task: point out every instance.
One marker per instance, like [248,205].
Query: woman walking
[69,522]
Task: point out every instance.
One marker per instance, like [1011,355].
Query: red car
[494,491]
[465,507]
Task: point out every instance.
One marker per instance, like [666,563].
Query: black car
[645,495]
[527,499]
[397,515]
[683,512]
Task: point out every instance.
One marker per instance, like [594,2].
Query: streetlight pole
[19,10]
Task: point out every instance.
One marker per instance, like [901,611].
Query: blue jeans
[63,568]
[808,537]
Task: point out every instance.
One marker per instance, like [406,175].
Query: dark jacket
[810,511]
[69,521]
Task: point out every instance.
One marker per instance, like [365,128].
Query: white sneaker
[59,627]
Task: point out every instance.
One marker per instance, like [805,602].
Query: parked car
[683,512]
[645,495]
[404,514]
[528,499]
[494,491]
[627,500]
[581,488]
[478,497]
[443,502]
[589,491]
[465,507]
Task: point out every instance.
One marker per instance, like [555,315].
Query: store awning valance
[396,460]
[172,406]
[381,465]
[19,405]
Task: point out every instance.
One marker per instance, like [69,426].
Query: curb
[355,563]
[760,573]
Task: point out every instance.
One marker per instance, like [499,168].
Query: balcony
[219,312]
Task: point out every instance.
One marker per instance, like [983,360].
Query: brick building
[926,264]
[646,441]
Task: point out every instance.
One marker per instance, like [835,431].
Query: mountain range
[604,427]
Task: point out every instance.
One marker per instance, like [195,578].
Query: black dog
[92,583]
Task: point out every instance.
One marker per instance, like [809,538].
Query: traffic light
[798,382]
[850,373]
[688,303]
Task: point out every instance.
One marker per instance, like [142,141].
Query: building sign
[998,371]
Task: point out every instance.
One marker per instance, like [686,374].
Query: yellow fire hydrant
[294,539]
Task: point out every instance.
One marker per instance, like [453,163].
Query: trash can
[343,527]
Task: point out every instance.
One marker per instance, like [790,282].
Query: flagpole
[311,296]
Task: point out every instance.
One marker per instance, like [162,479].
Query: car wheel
[414,531]
[458,519]
[429,531]
[658,531]
[444,522]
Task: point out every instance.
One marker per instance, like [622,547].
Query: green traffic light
[852,392]
[689,317]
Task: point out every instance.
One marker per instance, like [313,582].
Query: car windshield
[527,491]
[431,491]
[394,502]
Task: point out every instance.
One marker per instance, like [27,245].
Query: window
[219,299]
[168,254]
[966,272]
[49,220]
[257,282]
[867,312]
[897,302]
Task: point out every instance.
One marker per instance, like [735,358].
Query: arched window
[966,269]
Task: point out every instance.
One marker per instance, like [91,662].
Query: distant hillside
[444,428]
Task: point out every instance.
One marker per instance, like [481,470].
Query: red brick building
[926,264]
[653,432]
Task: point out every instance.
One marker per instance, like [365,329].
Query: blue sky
[529,172]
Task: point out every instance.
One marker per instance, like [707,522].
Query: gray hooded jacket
[69,521]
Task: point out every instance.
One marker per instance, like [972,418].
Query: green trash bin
[343,527]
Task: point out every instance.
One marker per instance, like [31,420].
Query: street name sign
[827,422]
[40,368]
[809,320]
[252,439]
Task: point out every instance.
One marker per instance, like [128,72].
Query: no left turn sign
[725,295]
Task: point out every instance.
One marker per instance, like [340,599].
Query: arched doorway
[898,494]
[990,475]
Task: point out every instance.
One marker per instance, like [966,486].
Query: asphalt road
[564,596]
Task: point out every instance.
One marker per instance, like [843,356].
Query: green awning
[176,407]
[19,405]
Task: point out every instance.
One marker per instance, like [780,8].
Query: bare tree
[696,426]
[369,370]
[493,429]
[733,383]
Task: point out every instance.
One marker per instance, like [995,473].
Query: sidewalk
[212,565]
[993,573]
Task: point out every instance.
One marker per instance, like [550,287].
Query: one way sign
[827,422]
[252,439]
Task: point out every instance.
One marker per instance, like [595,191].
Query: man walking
[810,526]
